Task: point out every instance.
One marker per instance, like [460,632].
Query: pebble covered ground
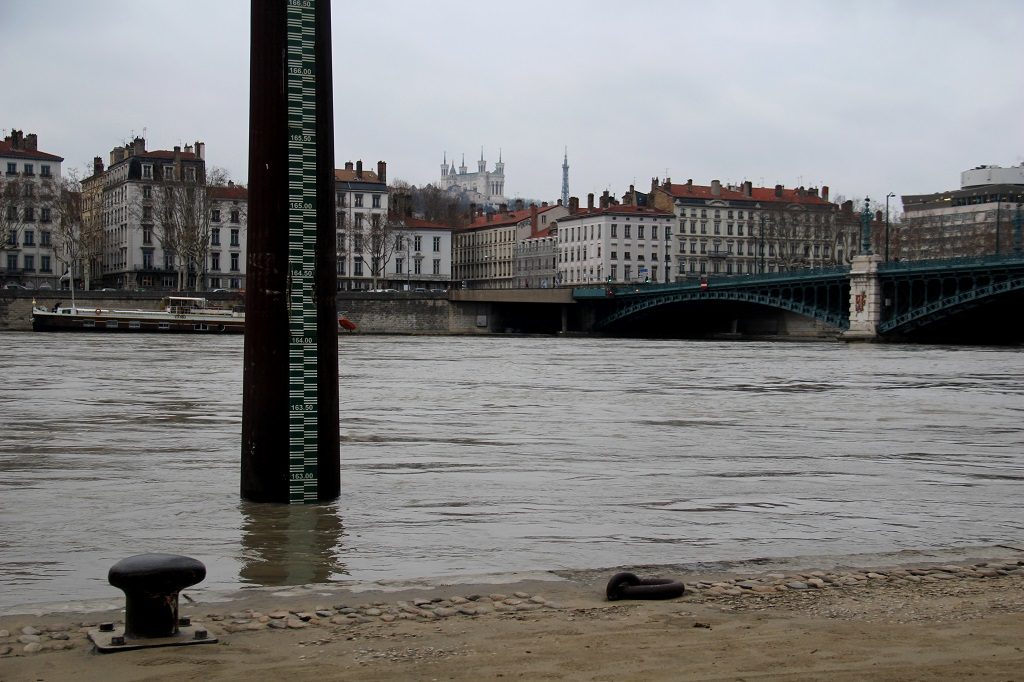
[21,637]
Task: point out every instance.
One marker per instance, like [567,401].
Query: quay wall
[401,313]
[417,313]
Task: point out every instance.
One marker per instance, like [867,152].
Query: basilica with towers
[483,188]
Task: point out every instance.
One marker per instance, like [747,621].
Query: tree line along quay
[161,220]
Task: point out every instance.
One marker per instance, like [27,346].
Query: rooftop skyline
[866,98]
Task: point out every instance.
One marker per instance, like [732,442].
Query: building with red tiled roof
[613,242]
[362,206]
[146,242]
[732,230]
[30,190]
[484,252]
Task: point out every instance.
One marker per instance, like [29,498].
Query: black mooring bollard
[151,583]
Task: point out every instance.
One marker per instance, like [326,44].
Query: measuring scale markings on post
[302,173]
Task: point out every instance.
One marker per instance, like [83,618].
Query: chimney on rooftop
[138,145]
[716,188]
[188,149]
[668,183]
[117,155]
[654,184]
[824,192]
[348,165]
[559,203]
[382,171]
[519,205]
[15,138]
[590,201]
[359,169]
[574,205]
[201,150]
[544,204]
[97,166]
[533,218]
[31,140]
[748,188]
[604,199]
[503,208]
[778,191]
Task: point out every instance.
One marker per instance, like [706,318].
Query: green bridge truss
[919,293]
[821,294]
[914,294]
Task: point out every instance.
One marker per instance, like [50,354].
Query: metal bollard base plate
[114,640]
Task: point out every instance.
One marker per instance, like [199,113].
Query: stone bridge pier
[865,298]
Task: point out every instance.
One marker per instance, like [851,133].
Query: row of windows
[28,238]
[234,218]
[401,242]
[400,266]
[167,172]
[28,263]
[28,214]
[717,213]
[588,232]
[28,169]
[357,200]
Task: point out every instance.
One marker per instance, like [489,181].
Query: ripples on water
[495,454]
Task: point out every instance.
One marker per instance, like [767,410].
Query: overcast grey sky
[867,97]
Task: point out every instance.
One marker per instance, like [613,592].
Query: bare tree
[18,205]
[378,241]
[182,211]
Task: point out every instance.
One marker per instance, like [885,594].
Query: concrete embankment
[392,313]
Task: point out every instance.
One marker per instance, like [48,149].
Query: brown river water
[482,455]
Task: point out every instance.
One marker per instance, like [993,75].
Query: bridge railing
[952,263]
[710,281]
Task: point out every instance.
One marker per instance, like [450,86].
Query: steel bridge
[913,294]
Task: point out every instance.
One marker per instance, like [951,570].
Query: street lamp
[865,228]
[887,197]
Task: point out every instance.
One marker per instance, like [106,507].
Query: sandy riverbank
[906,616]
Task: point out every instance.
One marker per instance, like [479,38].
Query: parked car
[15,286]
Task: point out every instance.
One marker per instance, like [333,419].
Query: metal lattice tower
[565,178]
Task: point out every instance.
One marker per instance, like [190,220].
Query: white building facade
[361,205]
[30,186]
[225,259]
[614,243]
[137,187]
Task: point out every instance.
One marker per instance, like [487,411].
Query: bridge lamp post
[1018,237]
[760,253]
[865,228]
[887,197]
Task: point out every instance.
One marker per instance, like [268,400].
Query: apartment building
[484,253]
[612,242]
[979,219]
[30,189]
[734,230]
